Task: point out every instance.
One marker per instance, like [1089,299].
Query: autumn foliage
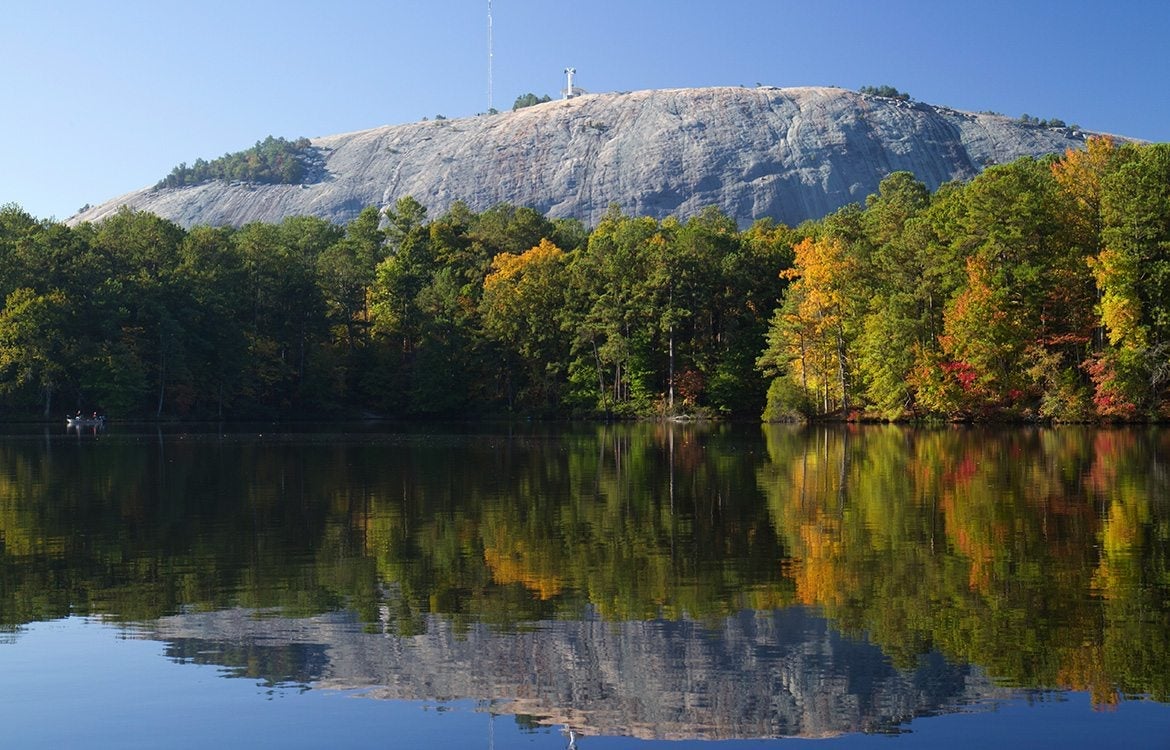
[1038,291]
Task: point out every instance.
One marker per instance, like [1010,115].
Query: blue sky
[101,98]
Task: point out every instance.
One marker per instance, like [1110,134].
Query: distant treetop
[888,92]
[273,161]
[1054,122]
[527,100]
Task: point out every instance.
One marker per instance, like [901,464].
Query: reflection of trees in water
[1038,554]
[993,546]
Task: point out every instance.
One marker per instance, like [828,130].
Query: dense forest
[1039,290]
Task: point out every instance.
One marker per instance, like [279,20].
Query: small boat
[79,421]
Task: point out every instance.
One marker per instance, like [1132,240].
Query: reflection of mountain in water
[766,674]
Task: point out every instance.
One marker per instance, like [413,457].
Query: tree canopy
[886,91]
[529,99]
[1037,291]
[1032,292]
[273,161]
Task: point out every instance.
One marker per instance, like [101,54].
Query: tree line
[393,314]
[1039,290]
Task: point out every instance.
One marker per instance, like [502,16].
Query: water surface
[607,586]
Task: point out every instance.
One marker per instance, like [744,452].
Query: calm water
[598,586]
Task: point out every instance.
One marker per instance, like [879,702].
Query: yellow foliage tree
[523,296]
[809,337]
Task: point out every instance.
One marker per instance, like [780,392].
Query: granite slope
[789,154]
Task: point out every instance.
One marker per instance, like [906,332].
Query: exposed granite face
[789,154]
[751,675]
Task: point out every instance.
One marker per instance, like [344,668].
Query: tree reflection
[1038,554]
[1023,551]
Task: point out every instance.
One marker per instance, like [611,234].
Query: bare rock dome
[789,154]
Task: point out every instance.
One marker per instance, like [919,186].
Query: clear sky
[107,96]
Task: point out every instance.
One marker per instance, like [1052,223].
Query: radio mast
[490,54]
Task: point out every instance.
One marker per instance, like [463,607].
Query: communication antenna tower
[569,72]
[490,54]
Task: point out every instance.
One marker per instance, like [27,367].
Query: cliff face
[789,154]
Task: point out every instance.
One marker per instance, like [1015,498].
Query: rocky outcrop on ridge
[789,154]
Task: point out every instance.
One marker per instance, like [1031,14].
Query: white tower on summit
[571,90]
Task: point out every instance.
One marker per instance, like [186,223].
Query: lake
[590,586]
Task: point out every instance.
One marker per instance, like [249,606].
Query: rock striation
[789,154]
